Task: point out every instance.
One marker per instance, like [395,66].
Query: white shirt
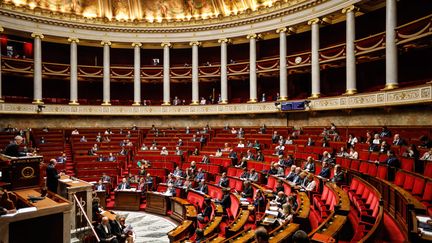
[311,186]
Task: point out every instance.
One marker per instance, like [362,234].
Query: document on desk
[65,180]
[274,213]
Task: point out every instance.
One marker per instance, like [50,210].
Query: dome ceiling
[153,10]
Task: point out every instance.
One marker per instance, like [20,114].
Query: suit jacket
[310,167]
[392,161]
[247,192]
[399,142]
[13,150]
[338,178]
[52,178]
[260,158]
[226,201]
[253,177]
[223,182]
[100,187]
[291,176]
[325,172]
[103,235]
[205,160]
[203,189]
[120,186]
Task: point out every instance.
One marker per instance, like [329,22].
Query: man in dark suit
[226,199]
[100,186]
[202,187]
[325,171]
[392,160]
[123,185]
[13,148]
[205,159]
[338,177]
[247,190]
[397,141]
[223,181]
[52,176]
[104,231]
[106,178]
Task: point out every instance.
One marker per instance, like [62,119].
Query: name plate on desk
[21,172]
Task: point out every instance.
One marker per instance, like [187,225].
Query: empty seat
[399,178]
[409,182]
[407,164]
[418,187]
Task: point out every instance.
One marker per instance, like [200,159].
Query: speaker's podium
[20,172]
[34,215]
[67,188]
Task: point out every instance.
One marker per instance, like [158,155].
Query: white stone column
[195,76]
[351,80]
[166,74]
[252,68]
[390,44]
[137,73]
[37,68]
[224,71]
[73,71]
[315,66]
[106,72]
[1,93]
[283,76]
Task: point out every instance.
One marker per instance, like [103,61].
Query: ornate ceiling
[153,10]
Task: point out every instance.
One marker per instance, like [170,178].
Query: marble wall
[403,116]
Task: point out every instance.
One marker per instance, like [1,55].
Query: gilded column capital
[195,43]
[106,43]
[134,44]
[73,39]
[281,30]
[224,40]
[350,8]
[37,35]
[1,29]
[314,21]
[164,44]
[253,36]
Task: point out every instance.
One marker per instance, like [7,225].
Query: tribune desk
[46,220]
[127,199]
[157,203]
[83,190]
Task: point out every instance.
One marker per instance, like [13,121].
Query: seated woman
[427,155]
[353,154]
[240,144]
[164,151]
[310,165]
[375,143]
[196,151]
[144,147]
[342,153]
[310,183]
[218,153]
[226,148]
[285,214]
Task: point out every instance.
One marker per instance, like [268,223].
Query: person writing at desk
[123,185]
[104,232]
[52,176]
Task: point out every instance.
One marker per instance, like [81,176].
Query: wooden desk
[51,222]
[102,196]
[182,209]
[20,172]
[182,231]
[127,200]
[67,188]
[335,226]
[343,203]
[157,203]
[284,234]
[238,223]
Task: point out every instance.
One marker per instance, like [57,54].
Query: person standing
[52,176]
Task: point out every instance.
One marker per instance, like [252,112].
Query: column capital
[37,35]
[314,21]
[106,43]
[73,39]
[254,36]
[164,44]
[224,40]
[281,30]
[350,8]
[1,29]
[195,43]
[134,44]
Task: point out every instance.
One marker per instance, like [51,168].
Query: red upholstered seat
[407,164]
[428,170]
[382,172]
[399,178]
[271,183]
[427,193]
[232,171]
[418,187]
[346,163]
[355,164]
[372,169]
[409,182]
[364,167]
[374,156]
[364,155]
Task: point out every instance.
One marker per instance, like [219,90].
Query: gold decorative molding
[254,36]
[136,104]
[252,101]
[314,21]
[350,92]
[421,94]
[37,35]
[224,40]
[391,86]
[73,102]
[315,96]
[351,8]
[106,103]
[195,43]
[73,39]
[108,43]
[285,98]
[37,102]
[164,44]
[194,102]
[1,29]
[281,30]
[139,44]
[167,103]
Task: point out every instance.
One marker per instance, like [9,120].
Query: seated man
[223,181]
[226,200]
[253,175]
[200,175]
[325,171]
[62,158]
[164,151]
[202,187]
[205,214]
[245,174]
[338,176]
[100,186]
[123,185]
[392,160]
[292,174]
[398,141]
[105,178]
[280,199]
[171,192]
[280,170]
[247,190]
[104,231]
[205,159]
